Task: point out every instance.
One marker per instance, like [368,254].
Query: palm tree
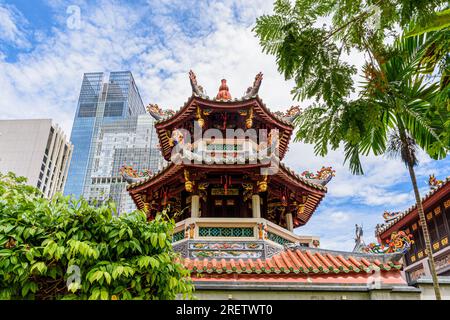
[407,105]
[400,110]
[401,106]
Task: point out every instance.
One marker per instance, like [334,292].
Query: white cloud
[11,27]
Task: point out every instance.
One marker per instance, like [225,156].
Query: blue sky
[45,47]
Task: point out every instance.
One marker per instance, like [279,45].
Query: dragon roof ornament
[434,183]
[400,242]
[253,90]
[196,88]
[389,216]
[322,177]
[289,114]
[131,175]
[157,113]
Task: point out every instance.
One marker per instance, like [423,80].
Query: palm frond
[405,149]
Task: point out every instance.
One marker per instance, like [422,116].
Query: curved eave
[286,176]
[189,108]
[316,192]
[412,213]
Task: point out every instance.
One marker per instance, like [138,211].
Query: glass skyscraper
[111,128]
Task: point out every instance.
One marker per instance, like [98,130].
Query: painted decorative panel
[226,246]
[443,262]
[226,249]
[416,274]
[225,232]
[226,254]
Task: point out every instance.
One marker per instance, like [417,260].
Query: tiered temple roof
[256,242]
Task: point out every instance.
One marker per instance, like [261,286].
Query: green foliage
[66,249]
[396,93]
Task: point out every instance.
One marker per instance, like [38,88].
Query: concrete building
[110,128]
[38,150]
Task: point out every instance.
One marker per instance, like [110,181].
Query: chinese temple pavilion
[236,205]
[436,205]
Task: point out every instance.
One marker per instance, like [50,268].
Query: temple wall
[423,290]
[427,291]
[341,292]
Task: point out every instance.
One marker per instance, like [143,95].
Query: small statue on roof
[358,233]
[224,93]
[253,90]
[433,182]
[196,89]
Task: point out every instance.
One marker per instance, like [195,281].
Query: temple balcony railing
[238,229]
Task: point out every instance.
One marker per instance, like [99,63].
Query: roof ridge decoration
[290,114]
[197,90]
[224,91]
[389,216]
[383,256]
[157,113]
[400,242]
[253,90]
[433,182]
[322,177]
[131,175]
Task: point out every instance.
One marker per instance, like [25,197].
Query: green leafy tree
[65,249]
[398,107]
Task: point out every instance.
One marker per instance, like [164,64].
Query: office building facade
[38,150]
[110,119]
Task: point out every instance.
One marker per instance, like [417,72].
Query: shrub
[66,249]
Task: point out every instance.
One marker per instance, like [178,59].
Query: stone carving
[253,90]
[196,89]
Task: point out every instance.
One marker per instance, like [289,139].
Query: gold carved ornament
[188,184]
[201,121]
[301,206]
[262,185]
[169,138]
[249,120]
[202,190]
[248,190]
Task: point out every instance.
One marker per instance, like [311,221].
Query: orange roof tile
[305,260]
